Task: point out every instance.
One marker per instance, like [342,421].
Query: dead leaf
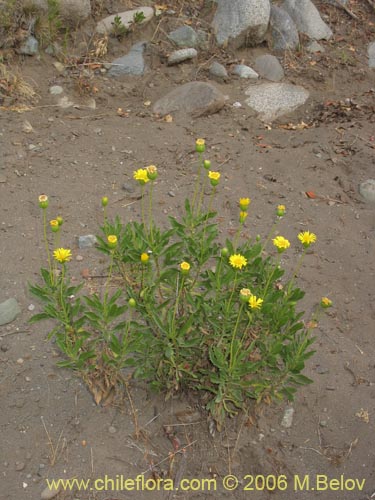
[363,415]
[311,194]
[27,127]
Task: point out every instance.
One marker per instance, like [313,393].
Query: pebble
[112,429]
[31,307]
[171,193]
[244,71]
[2,179]
[79,258]
[287,420]
[49,493]
[321,370]
[9,310]
[20,361]
[20,466]
[237,104]
[87,241]
[56,90]
[219,71]
[181,55]
[367,190]
[129,188]
[323,423]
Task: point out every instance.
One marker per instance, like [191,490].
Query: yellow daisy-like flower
[244,204]
[185,267]
[326,302]
[112,241]
[145,258]
[280,210]
[152,172]
[141,176]
[245,295]
[307,238]
[43,201]
[62,255]
[281,243]
[243,216]
[214,177]
[255,303]
[200,146]
[54,224]
[237,261]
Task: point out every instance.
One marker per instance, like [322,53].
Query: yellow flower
[280,210]
[62,255]
[245,295]
[141,176]
[243,216]
[152,172]
[237,261]
[112,241]
[307,238]
[214,177]
[200,146]
[185,267]
[54,224]
[326,302]
[145,258]
[244,203]
[281,243]
[43,201]
[255,303]
[60,220]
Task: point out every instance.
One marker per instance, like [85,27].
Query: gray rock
[9,310]
[283,30]
[335,2]
[218,71]
[241,22]
[371,55]
[181,55]
[196,98]
[30,47]
[74,12]
[314,47]
[367,190]
[87,241]
[105,26]
[130,64]
[268,67]
[287,420]
[307,19]
[244,71]
[272,100]
[184,36]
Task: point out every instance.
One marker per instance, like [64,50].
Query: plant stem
[197,182]
[234,336]
[46,240]
[150,213]
[296,270]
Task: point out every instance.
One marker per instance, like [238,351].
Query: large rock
[9,310]
[283,30]
[244,71]
[105,26]
[30,46]
[196,98]
[307,19]
[240,23]
[371,55]
[181,55]
[74,11]
[268,67]
[272,100]
[130,64]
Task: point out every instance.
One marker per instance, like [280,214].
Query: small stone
[218,71]
[31,307]
[79,258]
[49,493]
[20,361]
[181,55]
[30,47]
[129,188]
[237,104]
[321,370]
[20,466]
[268,67]
[9,310]
[244,71]
[314,47]
[371,55]
[56,90]
[87,241]
[130,64]
[367,190]
[112,429]
[323,423]
[287,420]
[171,194]
[2,179]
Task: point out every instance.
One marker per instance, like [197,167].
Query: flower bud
[43,201]
[104,201]
[132,302]
[200,146]
[112,241]
[54,225]
[207,164]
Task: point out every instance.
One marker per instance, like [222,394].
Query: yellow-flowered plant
[203,314]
